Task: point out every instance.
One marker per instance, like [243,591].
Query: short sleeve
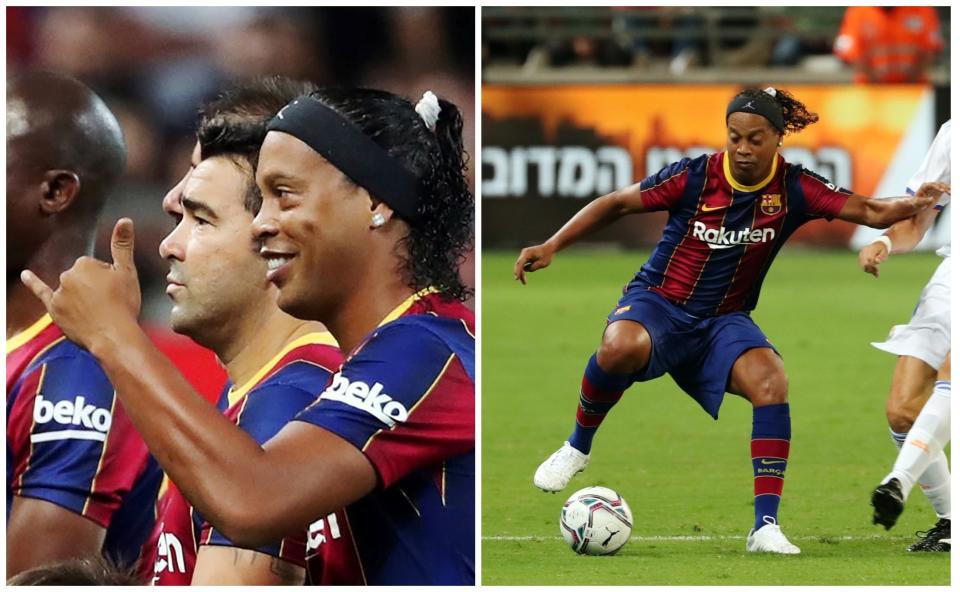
[663,190]
[84,454]
[935,165]
[822,199]
[266,411]
[405,400]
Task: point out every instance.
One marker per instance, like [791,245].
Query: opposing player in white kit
[919,422]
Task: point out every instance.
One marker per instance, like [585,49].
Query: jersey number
[319,530]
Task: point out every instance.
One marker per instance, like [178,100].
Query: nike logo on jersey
[707,208]
[76,413]
[723,238]
[364,397]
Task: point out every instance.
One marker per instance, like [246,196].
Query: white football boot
[769,539]
[555,472]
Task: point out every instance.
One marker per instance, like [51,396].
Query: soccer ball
[596,521]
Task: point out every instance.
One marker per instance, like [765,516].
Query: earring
[378,220]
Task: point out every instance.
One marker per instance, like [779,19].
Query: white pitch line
[721,537]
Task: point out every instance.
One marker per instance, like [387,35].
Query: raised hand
[94,297]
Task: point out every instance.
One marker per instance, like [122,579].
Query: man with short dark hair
[221,299]
[79,478]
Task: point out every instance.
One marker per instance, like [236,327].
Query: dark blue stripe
[653,270]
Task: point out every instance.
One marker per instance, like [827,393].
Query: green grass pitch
[686,477]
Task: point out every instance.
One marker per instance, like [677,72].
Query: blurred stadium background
[155,65]
[579,101]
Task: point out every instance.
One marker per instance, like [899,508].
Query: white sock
[935,481]
[925,440]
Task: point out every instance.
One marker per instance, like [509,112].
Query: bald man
[79,478]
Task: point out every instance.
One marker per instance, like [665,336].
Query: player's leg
[923,444]
[913,381]
[758,375]
[624,349]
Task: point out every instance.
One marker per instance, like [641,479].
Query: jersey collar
[748,188]
[28,333]
[319,338]
[405,305]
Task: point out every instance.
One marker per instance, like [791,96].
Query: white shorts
[927,335]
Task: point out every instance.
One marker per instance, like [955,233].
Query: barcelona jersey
[721,236]
[405,398]
[70,443]
[283,387]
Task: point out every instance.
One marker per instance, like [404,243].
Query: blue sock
[770,449]
[599,392]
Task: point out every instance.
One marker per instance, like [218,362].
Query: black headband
[352,152]
[765,105]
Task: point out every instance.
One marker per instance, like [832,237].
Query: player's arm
[219,561]
[882,213]
[598,214]
[241,488]
[219,566]
[904,236]
[68,477]
[41,532]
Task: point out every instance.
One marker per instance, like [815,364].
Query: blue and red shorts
[697,352]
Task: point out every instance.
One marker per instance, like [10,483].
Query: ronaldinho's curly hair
[436,245]
[796,116]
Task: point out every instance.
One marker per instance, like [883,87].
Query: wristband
[886,242]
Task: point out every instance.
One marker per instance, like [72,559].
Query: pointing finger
[38,287]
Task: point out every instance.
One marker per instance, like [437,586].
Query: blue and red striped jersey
[70,443]
[721,236]
[283,387]
[405,398]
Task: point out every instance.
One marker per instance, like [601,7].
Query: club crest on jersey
[770,203]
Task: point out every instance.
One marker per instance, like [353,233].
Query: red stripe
[444,307]
[589,420]
[756,256]
[19,425]
[770,448]
[767,485]
[592,393]
[441,427]
[124,460]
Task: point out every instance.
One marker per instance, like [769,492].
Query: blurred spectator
[889,44]
[799,32]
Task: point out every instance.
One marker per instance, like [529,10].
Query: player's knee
[900,417]
[770,389]
[624,349]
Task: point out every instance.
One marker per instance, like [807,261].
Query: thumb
[121,245]
[38,287]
